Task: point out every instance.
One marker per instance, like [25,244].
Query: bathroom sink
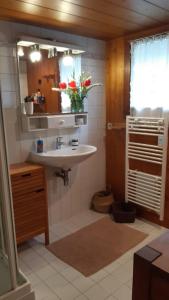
[66,157]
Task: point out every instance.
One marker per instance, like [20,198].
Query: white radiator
[144,189]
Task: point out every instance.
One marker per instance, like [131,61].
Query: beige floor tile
[129,283]
[43,292]
[122,275]
[110,283]
[37,264]
[51,297]
[128,266]
[49,257]
[68,292]
[97,293]
[81,297]
[70,273]
[56,281]
[111,298]
[46,272]
[111,267]
[34,280]
[24,268]
[59,265]
[124,293]
[83,284]
[99,275]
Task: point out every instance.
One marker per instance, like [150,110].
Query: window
[149,86]
[66,73]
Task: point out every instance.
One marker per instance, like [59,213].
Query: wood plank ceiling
[104,19]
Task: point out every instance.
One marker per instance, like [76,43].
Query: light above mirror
[46,44]
[35,54]
[67,58]
[20,51]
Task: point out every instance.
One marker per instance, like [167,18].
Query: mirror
[42,64]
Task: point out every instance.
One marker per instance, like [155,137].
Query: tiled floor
[52,279]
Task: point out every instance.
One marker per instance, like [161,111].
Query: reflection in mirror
[66,72]
[41,66]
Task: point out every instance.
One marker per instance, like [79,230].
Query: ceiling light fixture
[52,52]
[20,51]
[35,54]
[68,58]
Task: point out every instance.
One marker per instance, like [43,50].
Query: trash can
[102,201]
[123,212]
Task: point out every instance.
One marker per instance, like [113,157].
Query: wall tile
[9,99]
[8,82]
[8,65]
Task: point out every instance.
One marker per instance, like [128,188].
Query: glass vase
[77,106]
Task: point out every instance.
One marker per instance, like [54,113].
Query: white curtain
[66,73]
[149,85]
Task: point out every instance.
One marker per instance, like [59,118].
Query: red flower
[72,84]
[62,85]
[87,82]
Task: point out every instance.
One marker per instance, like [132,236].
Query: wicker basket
[102,201]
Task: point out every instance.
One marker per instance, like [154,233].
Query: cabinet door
[30,214]
[159,284]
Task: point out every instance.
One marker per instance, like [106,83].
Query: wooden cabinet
[151,270]
[29,201]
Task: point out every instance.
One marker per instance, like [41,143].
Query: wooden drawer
[27,182]
[29,199]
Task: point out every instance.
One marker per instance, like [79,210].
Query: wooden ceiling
[104,19]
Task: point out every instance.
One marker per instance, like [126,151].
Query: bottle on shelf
[39,145]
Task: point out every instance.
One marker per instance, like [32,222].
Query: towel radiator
[142,188]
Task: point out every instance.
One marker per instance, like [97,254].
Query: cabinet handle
[26,175]
[39,190]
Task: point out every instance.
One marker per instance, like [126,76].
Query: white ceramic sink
[66,157]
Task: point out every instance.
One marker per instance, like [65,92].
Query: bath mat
[95,246]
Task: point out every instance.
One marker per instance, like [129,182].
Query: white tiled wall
[89,176]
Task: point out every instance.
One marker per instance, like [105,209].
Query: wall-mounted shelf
[41,122]
[80,119]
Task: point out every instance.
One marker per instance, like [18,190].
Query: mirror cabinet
[42,64]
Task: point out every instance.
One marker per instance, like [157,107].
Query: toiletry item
[39,145]
[80,121]
[29,107]
[75,142]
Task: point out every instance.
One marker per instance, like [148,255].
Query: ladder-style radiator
[142,188]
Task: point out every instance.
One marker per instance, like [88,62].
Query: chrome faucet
[59,142]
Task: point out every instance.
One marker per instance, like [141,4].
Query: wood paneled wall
[41,75]
[104,19]
[118,106]
[115,138]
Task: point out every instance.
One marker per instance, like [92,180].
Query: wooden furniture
[151,271]
[29,201]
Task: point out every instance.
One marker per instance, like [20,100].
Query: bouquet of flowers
[77,90]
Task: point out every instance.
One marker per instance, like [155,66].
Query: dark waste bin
[123,212]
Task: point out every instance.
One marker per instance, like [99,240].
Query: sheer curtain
[149,85]
[66,73]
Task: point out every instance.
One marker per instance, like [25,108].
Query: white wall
[89,176]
